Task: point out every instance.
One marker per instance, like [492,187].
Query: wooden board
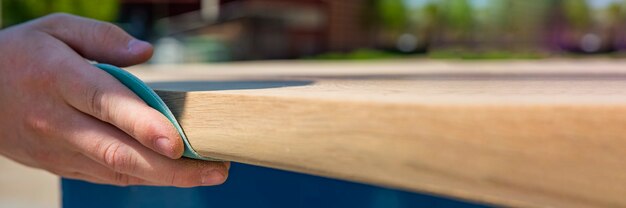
[527,133]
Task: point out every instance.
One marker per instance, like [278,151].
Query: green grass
[361,54]
[370,54]
[485,55]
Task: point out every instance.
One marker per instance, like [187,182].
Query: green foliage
[615,13]
[457,15]
[18,11]
[424,17]
[392,13]
[577,13]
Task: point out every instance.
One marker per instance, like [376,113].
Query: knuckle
[173,178]
[96,101]
[145,131]
[133,128]
[39,125]
[118,158]
[183,179]
[105,30]
[121,179]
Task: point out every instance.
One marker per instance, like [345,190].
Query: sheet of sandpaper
[153,100]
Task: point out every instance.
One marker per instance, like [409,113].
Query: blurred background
[233,30]
[192,31]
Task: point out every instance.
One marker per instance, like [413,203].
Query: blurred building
[140,16]
[213,30]
[255,29]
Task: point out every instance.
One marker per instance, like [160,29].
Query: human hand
[61,114]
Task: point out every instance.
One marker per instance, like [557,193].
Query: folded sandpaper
[153,100]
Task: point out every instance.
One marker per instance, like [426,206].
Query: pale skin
[61,114]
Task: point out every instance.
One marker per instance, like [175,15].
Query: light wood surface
[548,133]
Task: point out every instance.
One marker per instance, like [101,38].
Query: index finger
[100,95]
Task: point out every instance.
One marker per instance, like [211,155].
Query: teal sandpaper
[153,100]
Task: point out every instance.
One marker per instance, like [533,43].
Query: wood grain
[532,134]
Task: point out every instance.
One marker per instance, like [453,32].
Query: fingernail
[213,177]
[164,146]
[137,46]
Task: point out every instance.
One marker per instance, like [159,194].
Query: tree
[392,14]
[577,13]
[457,17]
[18,11]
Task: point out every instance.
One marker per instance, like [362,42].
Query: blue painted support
[252,186]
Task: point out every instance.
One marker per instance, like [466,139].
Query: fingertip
[214,177]
[141,50]
[179,149]
[227,165]
[137,47]
[166,147]
[155,131]
[171,147]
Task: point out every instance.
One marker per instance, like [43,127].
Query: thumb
[96,40]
